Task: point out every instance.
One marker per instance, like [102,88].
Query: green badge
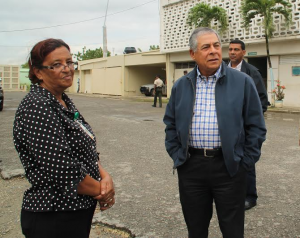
[76,115]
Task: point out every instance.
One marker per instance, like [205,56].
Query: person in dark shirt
[57,148]
[236,52]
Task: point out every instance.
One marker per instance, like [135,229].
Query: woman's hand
[106,198]
[107,202]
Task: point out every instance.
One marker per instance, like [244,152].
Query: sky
[79,23]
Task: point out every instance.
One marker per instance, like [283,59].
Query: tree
[266,8]
[90,54]
[153,47]
[202,14]
[25,65]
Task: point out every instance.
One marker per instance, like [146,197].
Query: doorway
[261,64]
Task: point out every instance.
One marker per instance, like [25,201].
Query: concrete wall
[107,81]
[121,75]
[292,83]
[136,76]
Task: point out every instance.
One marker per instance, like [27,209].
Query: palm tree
[202,14]
[266,8]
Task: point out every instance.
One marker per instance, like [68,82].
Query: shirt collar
[215,77]
[45,93]
[238,67]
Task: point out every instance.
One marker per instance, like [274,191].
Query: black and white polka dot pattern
[55,152]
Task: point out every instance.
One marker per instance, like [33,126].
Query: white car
[148,90]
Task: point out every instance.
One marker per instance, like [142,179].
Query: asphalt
[131,142]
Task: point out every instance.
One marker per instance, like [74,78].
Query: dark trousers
[203,180]
[62,224]
[251,185]
[158,93]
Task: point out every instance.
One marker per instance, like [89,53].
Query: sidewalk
[292,110]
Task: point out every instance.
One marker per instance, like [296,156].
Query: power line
[79,45]
[73,23]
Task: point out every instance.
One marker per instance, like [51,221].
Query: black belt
[206,152]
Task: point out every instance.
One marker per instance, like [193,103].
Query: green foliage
[90,54]
[265,8]
[202,15]
[153,47]
[25,66]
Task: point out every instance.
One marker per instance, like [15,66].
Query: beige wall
[145,58]
[135,76]
[292,84]
[87,85]
[121,75]
[107,81]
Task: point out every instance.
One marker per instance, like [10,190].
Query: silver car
[148,90]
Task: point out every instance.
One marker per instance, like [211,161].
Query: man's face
[208,55]
[236,54]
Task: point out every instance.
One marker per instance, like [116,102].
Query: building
[10,76]
[284,46]
[124,74]
[120,75]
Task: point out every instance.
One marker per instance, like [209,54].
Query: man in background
[158,84]
[78,85]
[237,51]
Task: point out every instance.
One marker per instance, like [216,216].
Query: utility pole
[104,34]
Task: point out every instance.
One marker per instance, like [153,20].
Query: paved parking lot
[130,138]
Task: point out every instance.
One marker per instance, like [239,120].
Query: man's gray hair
[193,42]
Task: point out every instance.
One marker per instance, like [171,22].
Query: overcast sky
[129,23]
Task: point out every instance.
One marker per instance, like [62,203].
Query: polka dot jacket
[55,151]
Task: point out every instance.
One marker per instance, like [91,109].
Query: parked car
[1,98]
[129,50]
[148,90]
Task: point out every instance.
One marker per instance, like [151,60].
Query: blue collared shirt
[204,131]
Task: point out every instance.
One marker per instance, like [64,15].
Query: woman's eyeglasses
[59,67]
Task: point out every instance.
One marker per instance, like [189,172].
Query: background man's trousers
[158,93]
[203,180]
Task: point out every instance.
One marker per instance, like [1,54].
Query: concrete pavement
[130,136]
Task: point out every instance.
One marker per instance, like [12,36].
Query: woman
[57,148]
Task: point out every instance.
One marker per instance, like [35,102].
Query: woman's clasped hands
[106,198]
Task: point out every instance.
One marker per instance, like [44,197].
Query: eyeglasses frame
[70,65]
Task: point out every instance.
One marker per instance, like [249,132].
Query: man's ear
[244,52]
[38,73]
[192,54]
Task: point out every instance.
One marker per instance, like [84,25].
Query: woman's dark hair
[39,53]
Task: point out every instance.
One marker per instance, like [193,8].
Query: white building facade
[284,46]
[10,76]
